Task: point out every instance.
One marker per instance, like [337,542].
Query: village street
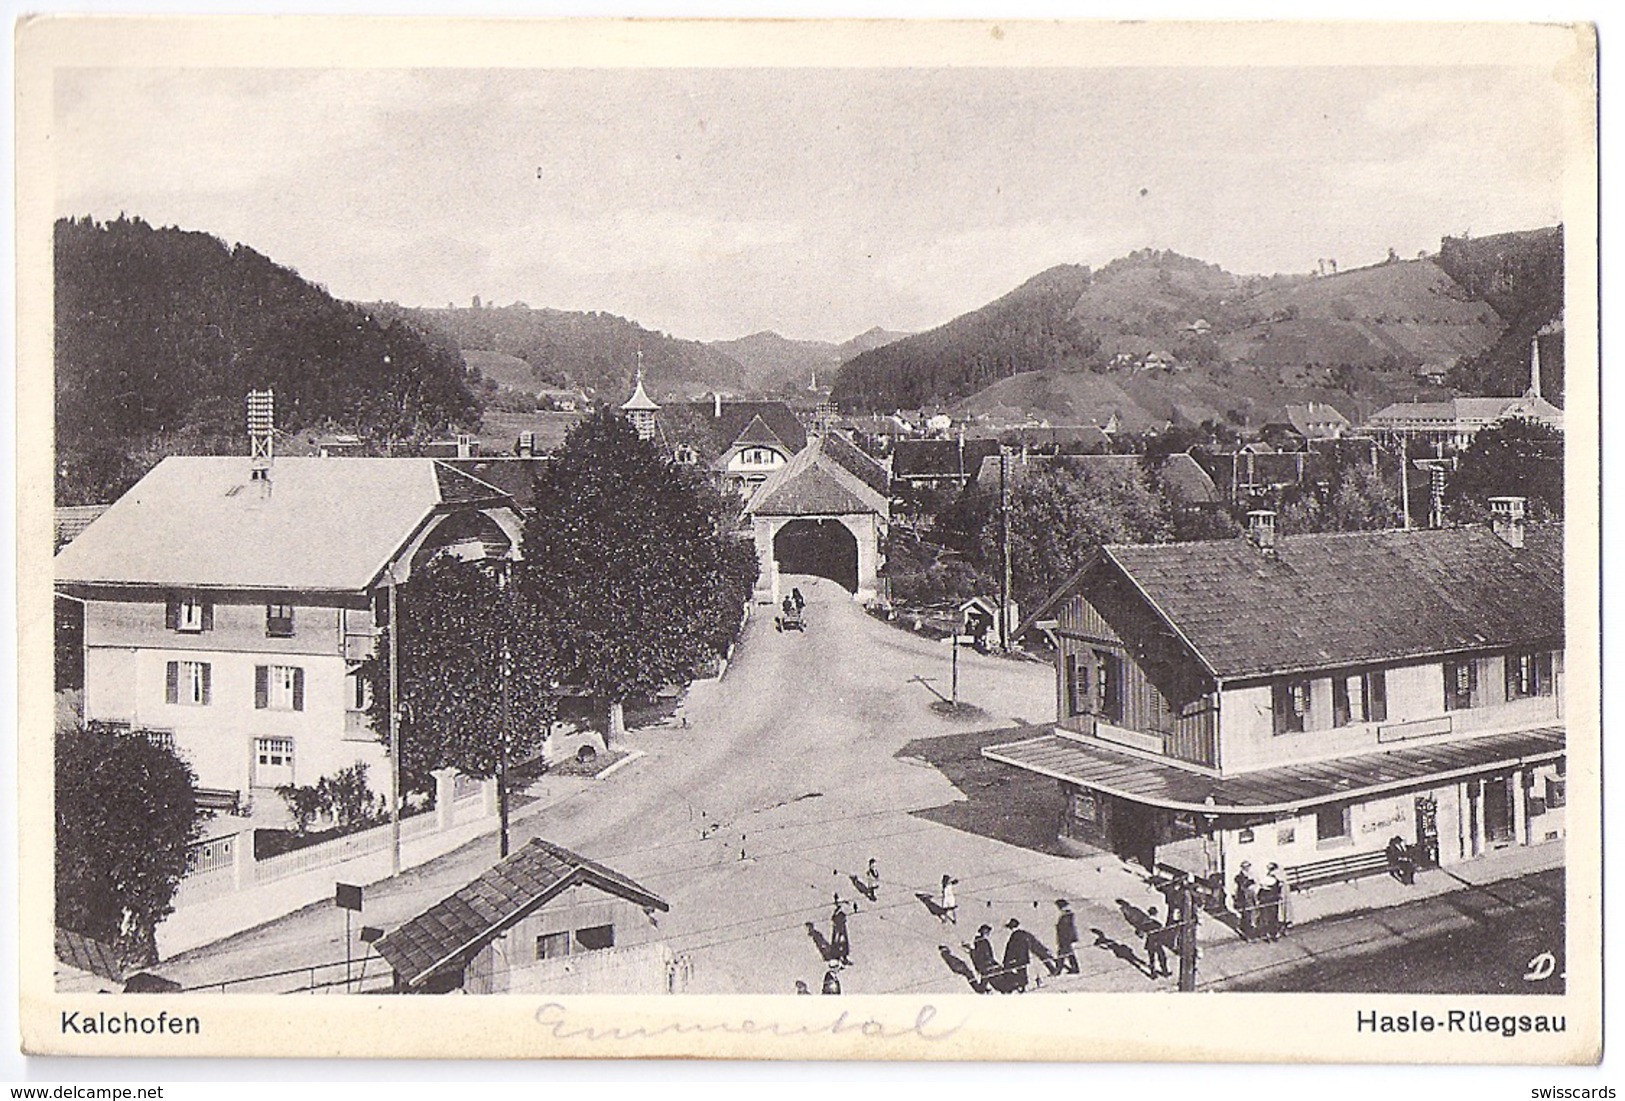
[816,752]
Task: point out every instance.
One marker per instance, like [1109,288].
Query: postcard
[809,540]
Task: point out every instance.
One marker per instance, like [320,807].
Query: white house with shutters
[228,613]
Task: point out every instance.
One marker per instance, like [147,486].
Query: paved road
[817,751]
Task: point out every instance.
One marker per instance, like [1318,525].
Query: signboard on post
[347,896]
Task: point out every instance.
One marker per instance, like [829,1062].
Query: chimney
[716,404]
[1506,519]
[1534,366]
[1261,530]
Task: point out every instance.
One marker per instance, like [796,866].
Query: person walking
[840,944]
[832,982]
[871,876]
[1019,951]
[948,908]
[982,958]
[1246,900]
[1066,939]
[1156,946]
[800,601]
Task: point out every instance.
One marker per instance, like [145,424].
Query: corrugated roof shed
[1326,601]
[457,926]
[327,524]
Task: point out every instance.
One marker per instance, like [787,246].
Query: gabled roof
[512,475]
[858,463]
[72,520]
[757,432]
[711,434]
[197,521]
[1309,418]
[453,929]
[814,483]
[953,458]
[1341,600]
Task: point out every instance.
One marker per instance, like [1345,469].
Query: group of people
[1010,974]
[1263,905]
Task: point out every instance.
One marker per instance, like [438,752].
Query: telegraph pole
[502,745]
[1004,553]
[1405,481]
[394,730]
[1187,935]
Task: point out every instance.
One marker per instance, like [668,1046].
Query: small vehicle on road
[791,619]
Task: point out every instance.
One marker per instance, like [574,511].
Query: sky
[817,203]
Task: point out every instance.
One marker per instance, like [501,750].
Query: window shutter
[298,689]
[206,669]
[1376,705]
[1513,662]
[262,686]
[172,682]
[1543,674]
[172,615]
[208,615]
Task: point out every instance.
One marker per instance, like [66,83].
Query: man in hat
[981,958]
[840,945]
[1157,936]
[1246,899]
[1018,953]
[1066,937]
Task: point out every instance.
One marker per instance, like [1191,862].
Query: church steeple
[640,408]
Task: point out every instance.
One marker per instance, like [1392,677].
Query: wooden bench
[221,799]
[1336,869]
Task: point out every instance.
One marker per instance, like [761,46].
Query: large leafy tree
[1352,497]
[478,671]
[631,556]
[125,814]
[1516,458]
[1058,518]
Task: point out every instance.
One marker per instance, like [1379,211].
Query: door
[273,762]
[1498,811]
[1427,829]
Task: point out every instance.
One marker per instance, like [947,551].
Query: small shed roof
[457,926]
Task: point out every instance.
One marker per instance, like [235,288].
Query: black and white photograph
[959,523]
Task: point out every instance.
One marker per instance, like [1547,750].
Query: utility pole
[502,743]
[394,729]
[1004,552]
[954,682]
[1187,935]
[1405,481]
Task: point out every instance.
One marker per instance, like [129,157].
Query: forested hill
[1026,330]
[161,333]
[597,352]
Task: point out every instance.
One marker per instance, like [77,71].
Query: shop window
[595,938]
[552,946]
[1528,675]
[1460,685]
[1290,701]
[1331,824]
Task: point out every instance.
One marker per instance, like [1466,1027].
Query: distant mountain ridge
[1156,336]
[775,363]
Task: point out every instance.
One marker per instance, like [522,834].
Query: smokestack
[1534,367]
[716,404]
[1506,519]
[1261,530]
